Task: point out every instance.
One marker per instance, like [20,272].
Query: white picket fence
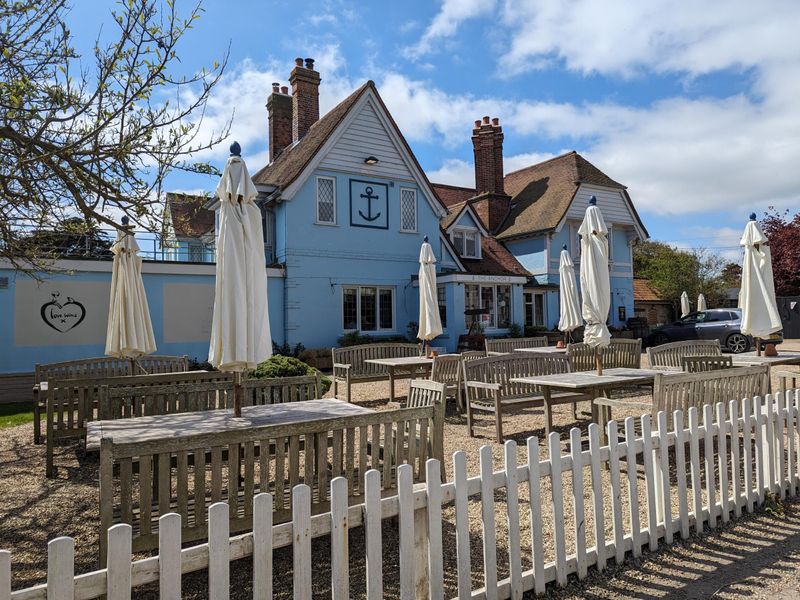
[748,449]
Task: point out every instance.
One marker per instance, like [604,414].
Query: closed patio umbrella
[760,316]
[685,308]
[701,303]
[240,336]
[129,333]
[595,281]
[430,324]
[568,293]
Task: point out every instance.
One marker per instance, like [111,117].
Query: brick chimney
[492,203]
[279,108]
[305,97]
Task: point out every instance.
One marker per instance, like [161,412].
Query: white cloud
[446,23]
[454,171]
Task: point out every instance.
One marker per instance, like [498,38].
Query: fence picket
[5,575]
[649,476]
[697,486]
[579,511]
[535,495]
[597,496]
[433,475]
[747,448]
[759,425]
[405,499]
[372,531]
[219,552]
[708,439]
[340,568]
[262,546]
[118,579]
[769,434]
[301,541]
[169,557]
[616,494]
[554,444]
[736,471]
[680,471]
[61,569]
[633,493]
[462,525]
[722,451]
[663,455]
[779,432]
[790,458]
[487,518]
[512,510]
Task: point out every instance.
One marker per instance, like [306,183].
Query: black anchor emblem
[370,197]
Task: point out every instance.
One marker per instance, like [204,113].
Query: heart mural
[63,316]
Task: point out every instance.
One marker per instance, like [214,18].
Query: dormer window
[467,242]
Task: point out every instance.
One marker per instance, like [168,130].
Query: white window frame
[492,324]
[610,244]
[443,289]
[466,231]
[413,191]
[378,289]
[316,201]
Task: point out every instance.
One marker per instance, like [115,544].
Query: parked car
[723,324]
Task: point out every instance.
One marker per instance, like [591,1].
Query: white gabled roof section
[615,204]
[364,131]
[476,222]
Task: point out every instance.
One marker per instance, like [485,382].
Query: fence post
[340,563]
[169,557]
[262,546]
[761,460]
[407,523]
[616,495]
[512,511]
[680,471]
[61,569]
[633,493]
[556,485]
[487,521]
[435,560]
[301,536]
[218,551]
[722,449]
[597,498]
[372,531]
[5,575]
[118,576]
[462,525]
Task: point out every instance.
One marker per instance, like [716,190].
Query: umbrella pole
[598,359]
[758,347]
[237,394]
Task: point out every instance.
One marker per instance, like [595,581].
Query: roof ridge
[454,187]
[544,162]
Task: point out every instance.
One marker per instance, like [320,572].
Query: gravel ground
[756,557]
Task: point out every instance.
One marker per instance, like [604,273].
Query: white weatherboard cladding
[366,136]
[610,201]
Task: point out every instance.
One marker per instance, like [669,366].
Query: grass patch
[15,413]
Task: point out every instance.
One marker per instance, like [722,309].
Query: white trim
[467,208]
[66,267]
[487,279]
[316,200]
[413,191]
[467,231]
[378,288]
[445,241]
[313,164]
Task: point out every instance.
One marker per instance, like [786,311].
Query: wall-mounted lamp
[371,160]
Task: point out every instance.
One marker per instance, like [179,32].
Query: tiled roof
[644,292]
[188,217]
[450,195]
[495,260]
[452,215]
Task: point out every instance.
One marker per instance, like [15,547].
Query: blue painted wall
[531,253]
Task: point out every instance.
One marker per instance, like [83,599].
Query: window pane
[325,201]
[503,306]
[528,309]
[442,300]
[408,210]
[458,242]
[386,309]
[487,302]
[539,300]
[369,316]
[471,248]
[471,301]
[349,308]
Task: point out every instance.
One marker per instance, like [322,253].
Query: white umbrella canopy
[240,335]
[568,294]
[595,281]
[701,303]
[760,316]
[430,324]
[129,333]
[685,308]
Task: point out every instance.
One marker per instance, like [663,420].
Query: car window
[713,317]
[694,318]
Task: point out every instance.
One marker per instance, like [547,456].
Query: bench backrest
[425,393]
[620,354]
[106,366]
[670,355]
[469,355]
[446,369]
[141,481]
[278,390]
[698,364]
[356,355]
[508,345]
[681,391]
[500,370]
[72,402]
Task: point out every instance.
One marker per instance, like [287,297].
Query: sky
[692,105]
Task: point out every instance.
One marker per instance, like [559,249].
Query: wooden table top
[142,429]
[590,380]
[553,349]
[401,361]
[751,358]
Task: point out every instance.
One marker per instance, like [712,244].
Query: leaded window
[326,200]
[408,209]
[367,308]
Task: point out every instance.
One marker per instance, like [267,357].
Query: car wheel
[659,338]
[737,343]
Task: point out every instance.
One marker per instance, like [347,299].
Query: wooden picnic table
[176,425]
[751,359]
[402,362]
[586,381]
[551,349]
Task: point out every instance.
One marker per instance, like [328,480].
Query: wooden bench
[70,403]
[701,364]
[446,369]
[101,367]
[349,364]
[620,354]
[681,391]
[489,388]
[669,356]
[140,481]
[508,345]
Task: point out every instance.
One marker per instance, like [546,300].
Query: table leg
[548,410]
[391,384]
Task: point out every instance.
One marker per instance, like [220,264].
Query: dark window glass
[349,309]
[369,309]
[539,301]
[386,309]
[442,300]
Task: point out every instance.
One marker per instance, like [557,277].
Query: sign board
[369,204]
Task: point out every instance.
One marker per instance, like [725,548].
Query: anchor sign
[368,195]
[63,316]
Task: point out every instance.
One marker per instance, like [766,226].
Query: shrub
[286,350]
[534,330]
[515,331]
[354,338]
[287,366]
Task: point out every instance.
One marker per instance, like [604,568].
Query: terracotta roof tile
[644,292]
[450,195]
[495,260]
[188,216]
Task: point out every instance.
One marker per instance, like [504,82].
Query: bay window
[367,308]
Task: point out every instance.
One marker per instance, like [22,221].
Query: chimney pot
[279,111]
[275,87]
[298,61]
[486,120]
[310,64]
[496,122]
[477,123]
[285,89]
[305,97]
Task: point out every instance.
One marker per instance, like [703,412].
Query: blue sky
[692,105]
